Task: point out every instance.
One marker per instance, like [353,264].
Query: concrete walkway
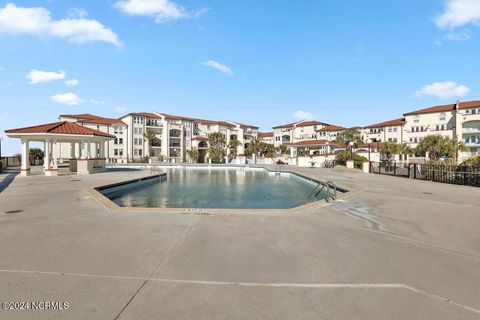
[393,248]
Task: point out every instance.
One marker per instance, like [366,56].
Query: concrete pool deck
[393,249]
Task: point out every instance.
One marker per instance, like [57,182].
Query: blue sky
[261,62]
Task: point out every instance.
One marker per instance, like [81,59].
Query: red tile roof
[443,108]
[469,104]
[143,114]
[312,143]
[90,118]
[395,122]
[333,128]
[80,116]
[63,127]
[303,123]
[265,134]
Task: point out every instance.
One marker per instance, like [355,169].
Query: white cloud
[93,101]
[36,21]
[446,90]
[70,99]
[72,82]
[455,36]
[77,13]
[218,66]
[120,109]
[2,68]
[38,76]
[161,10]
[459,13]
[303,115]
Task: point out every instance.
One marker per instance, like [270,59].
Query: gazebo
[86,146]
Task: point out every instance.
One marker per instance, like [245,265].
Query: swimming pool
[216,188]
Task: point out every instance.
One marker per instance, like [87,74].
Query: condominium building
[266,137]
[329,132]
[458,121]
[392,130]
[170,136]
[298,131]
[115,149]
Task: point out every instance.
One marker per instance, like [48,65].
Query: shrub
[357,159]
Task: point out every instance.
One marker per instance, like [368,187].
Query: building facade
[266,137]
[298,131]
[169,137]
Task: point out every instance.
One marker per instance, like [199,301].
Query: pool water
[217,188]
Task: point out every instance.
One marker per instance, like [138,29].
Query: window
[416,119]
[120,141]
[115,152]
[442,116]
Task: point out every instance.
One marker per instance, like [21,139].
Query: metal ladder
[331,191]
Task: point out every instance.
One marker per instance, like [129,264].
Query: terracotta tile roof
[103,121]
[303,123]
[310,123]
[265,134]
[333,128]
[143,114]
[63,127]
[199,120]
[90,118]
[469,104]
[312,143]
[395,122]
[84,116]
[243,125]
[443,108]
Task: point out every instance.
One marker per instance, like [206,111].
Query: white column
[25,169]
[46,159]
[89,151]
[80,147]
[102,150]
[84,150]
[73,154]
[55,154]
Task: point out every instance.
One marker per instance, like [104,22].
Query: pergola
[54,136]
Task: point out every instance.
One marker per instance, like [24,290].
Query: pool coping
[95,192]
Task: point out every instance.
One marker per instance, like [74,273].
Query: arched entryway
[202,151]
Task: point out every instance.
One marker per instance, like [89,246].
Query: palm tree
[216,152]
[233,145]
[389,149]
[438,146]
[282,149]
[254,147]
[35,154]
[434,145]
[150,137]
[349,139]
[193,154]
[454,147]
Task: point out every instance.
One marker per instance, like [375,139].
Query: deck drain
[427,193]
[13,211]
[75,180]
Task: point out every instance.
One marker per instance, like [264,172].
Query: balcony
[152,123]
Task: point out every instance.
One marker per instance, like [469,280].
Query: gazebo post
[72,150]
[53,152]
[46,165]
[25,169]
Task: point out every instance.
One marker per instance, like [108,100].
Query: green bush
[472,161]
[357,159]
